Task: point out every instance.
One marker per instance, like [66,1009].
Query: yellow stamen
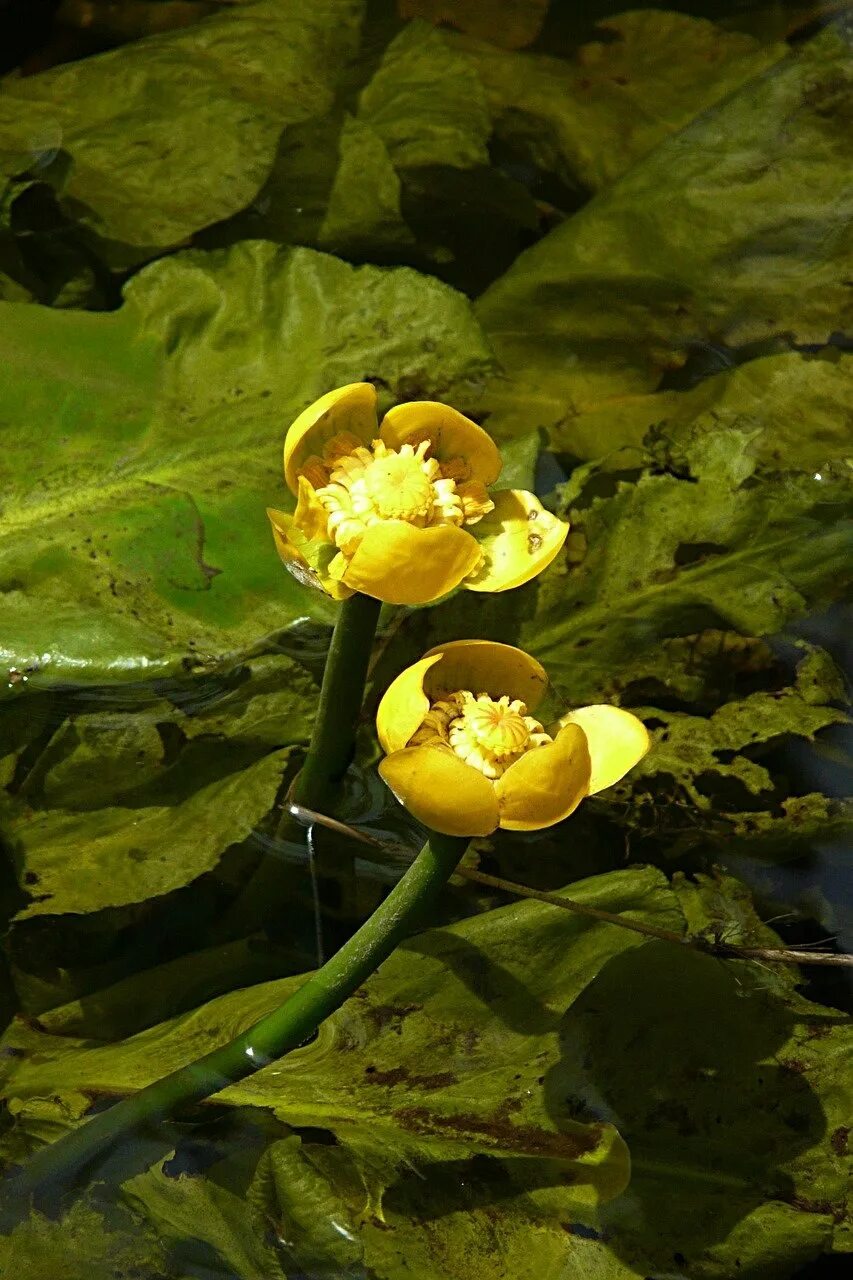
[360,486]
[486,733]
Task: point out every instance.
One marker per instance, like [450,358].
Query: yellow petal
[402,564]
[518,539]
[351,408]
[546,784]
[617,741]
[442,791]
[450,434]
[306,560]
[404,705]
[310,517]
[485,666]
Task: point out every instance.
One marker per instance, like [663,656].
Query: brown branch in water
[710,946]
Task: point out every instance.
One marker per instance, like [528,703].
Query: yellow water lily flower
[401,510]
[465,754]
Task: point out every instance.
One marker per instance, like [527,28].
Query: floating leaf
[152,141]
[82,1246]
[84,862]
[138,546]
[508,1035]
[511,24]
[425,103]
[734,231]
[801,403]
[590,119]
[435,1058]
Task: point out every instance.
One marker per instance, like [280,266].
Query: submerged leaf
[800,403]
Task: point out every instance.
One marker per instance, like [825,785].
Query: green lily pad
[135,545]
[152,141]
[511,24]
[588,120]
[801,404]
[506,1035]
[734,231]
[83,1246]
[425,103]
[73,863]
[436,1058]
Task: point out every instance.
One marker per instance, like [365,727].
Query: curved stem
[341,696]
[274,1035]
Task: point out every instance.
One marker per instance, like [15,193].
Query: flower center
[487,733]
[399,487]
[360,486]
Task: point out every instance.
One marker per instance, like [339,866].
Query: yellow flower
[465,753]
[401,511]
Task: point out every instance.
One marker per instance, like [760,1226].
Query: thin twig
[710,946]
[728,950]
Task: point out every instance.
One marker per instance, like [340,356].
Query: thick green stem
[276,1034]
[341,696]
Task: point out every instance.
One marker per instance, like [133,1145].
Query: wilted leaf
[734,231]
[590,119]
[135,544]
[83,862]
[511,24]
[152,141]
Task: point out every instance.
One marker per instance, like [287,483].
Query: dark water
[128,900]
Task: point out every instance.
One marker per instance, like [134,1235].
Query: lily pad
[736,230]
[508,1035]
[85,862]
[150,142]
[425,103]
[511,24]
[435,1058]
[138,546]
[83,1246]
[801,403]
[589,119]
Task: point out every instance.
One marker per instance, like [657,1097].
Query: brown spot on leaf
[525,1139]
[839,1139]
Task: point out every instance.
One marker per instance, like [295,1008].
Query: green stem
[276,1034]
[341,696]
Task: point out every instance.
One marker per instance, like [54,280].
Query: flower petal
[442,791]
[351,408]
[450,434]
[485,666]
[518,539]
[546,784]
[617,741]
[402,564]
[306,560]
[310,517]
[404,705]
